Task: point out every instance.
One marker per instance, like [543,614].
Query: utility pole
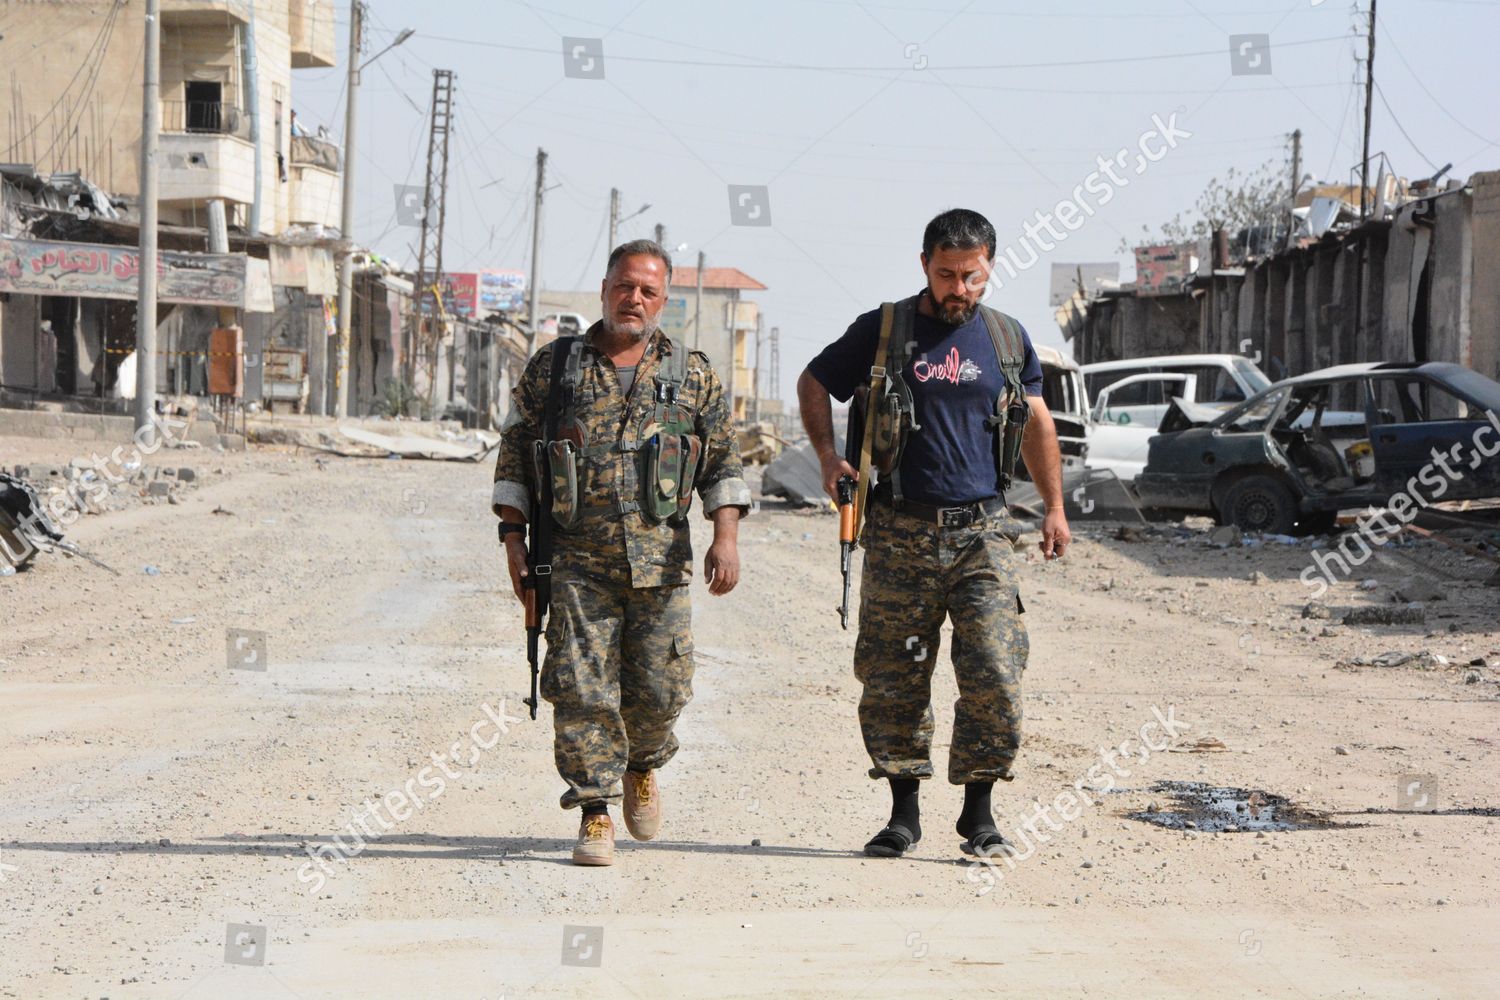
[1296,165]
[437,181]
[661,235]
[756,391]
[536,252]
[697,301]
[145,302]
[437,280]
[775,373]
[346,223]
[614,219]
[1364,163]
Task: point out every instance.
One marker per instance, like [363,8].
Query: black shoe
[892,842]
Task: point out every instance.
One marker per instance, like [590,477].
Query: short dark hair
[636,248]
[958,229]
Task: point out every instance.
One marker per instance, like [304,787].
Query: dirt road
[157,788]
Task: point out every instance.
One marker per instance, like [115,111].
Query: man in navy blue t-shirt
[937,538]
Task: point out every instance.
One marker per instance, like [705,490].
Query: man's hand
[1055,534]
[834,466]
[515,557]
[721,567]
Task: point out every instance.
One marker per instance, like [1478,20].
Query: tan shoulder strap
[878,377]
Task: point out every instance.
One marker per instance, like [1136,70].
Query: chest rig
[890,412]
[660,447]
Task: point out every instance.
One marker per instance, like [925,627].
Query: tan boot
[596,842]
[642,804]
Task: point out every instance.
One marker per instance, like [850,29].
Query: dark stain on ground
[1199,806]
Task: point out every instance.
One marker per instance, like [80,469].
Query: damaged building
[1417,280]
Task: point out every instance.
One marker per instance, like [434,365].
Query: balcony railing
[204,117]
[310,150]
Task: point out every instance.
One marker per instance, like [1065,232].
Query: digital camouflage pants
[915,575]
[619,670]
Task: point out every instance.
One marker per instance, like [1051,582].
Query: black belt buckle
[956,517]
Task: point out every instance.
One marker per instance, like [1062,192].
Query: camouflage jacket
[657,555]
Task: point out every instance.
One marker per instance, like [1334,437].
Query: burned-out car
[1386,435]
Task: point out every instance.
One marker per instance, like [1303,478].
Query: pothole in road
[1199,806]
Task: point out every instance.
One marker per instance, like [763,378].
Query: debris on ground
[1226,536]
[471,447]
[796,475]
[1401,614]
[1204,744]
[1418,590]
[27,527]
[1422,659]
[1207,809]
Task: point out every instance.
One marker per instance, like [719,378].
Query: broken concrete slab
[471,449]
[1226,536]
[1403,614]
[797,476]
[1088,495]
[1422,659]
[1419,589]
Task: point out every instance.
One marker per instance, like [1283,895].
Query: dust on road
[155,793]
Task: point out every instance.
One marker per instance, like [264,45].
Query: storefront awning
[100,271]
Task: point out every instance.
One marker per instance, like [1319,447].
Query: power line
[1390,40]
[1387,105]
[810,67]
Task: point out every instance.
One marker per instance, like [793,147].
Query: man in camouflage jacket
[619,663]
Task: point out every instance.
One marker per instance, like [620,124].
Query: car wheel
[1260,503]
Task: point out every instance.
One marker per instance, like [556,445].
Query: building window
[205,106]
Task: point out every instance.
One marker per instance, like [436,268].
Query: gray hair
[637,248]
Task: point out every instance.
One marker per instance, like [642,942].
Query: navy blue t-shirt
[954,379]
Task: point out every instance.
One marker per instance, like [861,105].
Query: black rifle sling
[1010,352]
[903,343]
[561,386]
[671,374]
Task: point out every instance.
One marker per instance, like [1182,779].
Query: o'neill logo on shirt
[950,370]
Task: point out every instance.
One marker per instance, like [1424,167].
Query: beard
[950,312]
[649,325]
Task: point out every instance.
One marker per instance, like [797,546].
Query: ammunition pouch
[668,469]
[666,459]
[555,464]
[1009,427]
[894,418]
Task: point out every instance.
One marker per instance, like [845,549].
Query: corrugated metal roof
[716,277]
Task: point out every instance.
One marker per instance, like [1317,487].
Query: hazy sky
[864,119]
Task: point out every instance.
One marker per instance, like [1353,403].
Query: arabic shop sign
[96,271]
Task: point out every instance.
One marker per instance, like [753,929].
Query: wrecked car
[25,527]
[1130,398]
[1384,435]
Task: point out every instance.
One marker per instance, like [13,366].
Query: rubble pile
[88,492]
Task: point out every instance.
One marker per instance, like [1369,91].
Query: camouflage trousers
[915,575]
[618,672]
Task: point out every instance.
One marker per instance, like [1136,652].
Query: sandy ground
[151,796]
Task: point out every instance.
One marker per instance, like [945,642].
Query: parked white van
[1130,398]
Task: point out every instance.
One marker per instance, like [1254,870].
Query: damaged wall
[1430,289]
[1128,326]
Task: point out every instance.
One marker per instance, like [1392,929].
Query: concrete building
[226,103]
[1418,283]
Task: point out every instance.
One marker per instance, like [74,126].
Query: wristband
[506,527]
